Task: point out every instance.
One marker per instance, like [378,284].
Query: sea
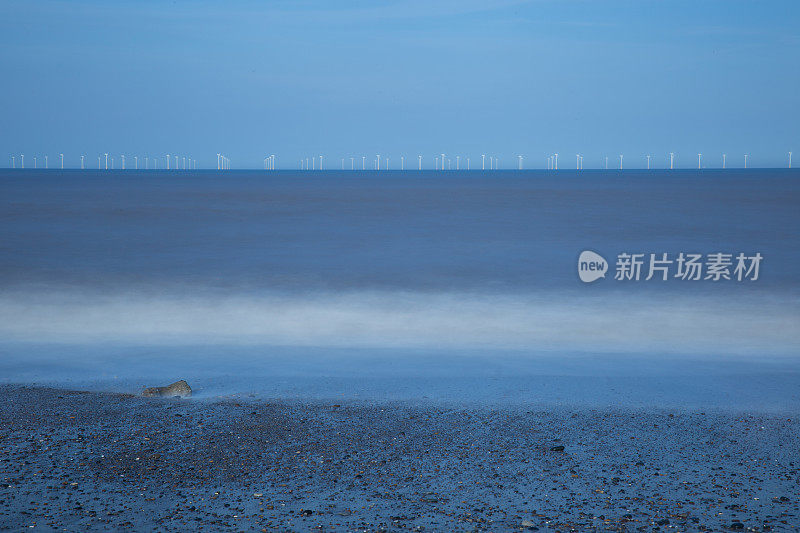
[455,286]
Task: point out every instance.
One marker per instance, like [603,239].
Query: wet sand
[81,461]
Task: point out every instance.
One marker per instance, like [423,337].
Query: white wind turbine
[363,162]
[402,163]
[671,160]
[352,163]
[620,161]
[458,160]
[419,163]
[106,161]
[790,159]
[648,161]
[45,162]
[81,162]
[519,162]
[745,160]
[442,161]
[723,160]
[136,162]
[379,161]
[699,157]
[168,161]
[62,161]
[483,161]
[13,161]
[556,160]
[123,161]
[22,158]
[468,163]
[577,161]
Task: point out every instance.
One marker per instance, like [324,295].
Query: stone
[181,389]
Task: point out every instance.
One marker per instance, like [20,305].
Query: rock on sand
[180,389]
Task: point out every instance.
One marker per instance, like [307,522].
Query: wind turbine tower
[723,160]
[745,160]
[699,157]
[671,160]
[648,161]
[483,161]
[62,161]
[620,161]
[106,161]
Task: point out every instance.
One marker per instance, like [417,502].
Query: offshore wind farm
[440,161]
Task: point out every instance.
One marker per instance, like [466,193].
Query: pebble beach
[94,461]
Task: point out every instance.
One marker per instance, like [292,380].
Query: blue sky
[352,78]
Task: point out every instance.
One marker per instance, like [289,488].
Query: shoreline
[100,461]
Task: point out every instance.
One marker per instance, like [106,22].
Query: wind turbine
[123,161]
[320,162]
[648,161]
[790,159]
[556,160]
[745,160]
[442,161]
[402,162]
[363,162]
[458,159]
[168,161]
[468,163]
[606,162]
[387,162]
[136,162]
[98,161]
[620,161]
[352,163]
[699,156]
[577,161]
[184,162]
[34,161]
[723,160]
[45,162]
[13,162]
[62,161]
[671,160]
[22,158]
[106,161]
[419,157]
[217,161]
[483,161]
[519,162]
[379,161]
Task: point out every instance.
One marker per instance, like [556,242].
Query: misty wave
[385,319]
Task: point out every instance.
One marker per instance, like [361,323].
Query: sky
[305,78]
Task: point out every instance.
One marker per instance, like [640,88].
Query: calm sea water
[388,263]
